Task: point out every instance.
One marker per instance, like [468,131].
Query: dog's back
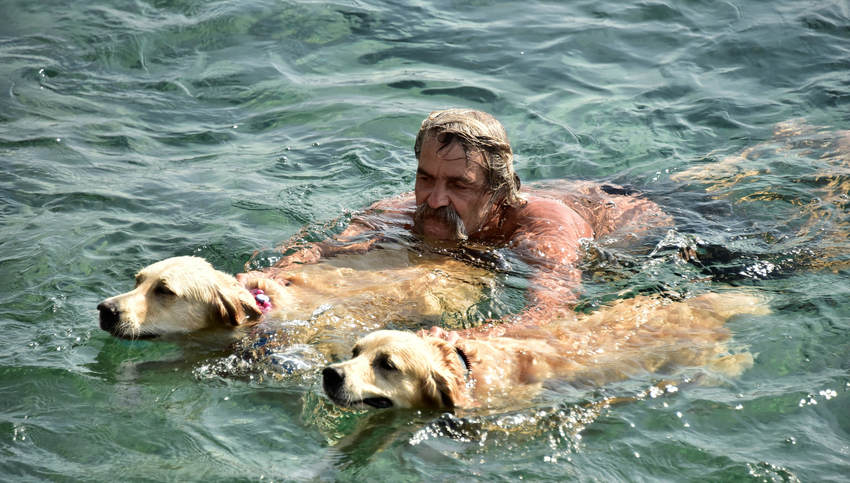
[631,337]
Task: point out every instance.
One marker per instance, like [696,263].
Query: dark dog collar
[464,359]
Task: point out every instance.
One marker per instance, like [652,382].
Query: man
[467,191]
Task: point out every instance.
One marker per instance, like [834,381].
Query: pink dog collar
[263,301]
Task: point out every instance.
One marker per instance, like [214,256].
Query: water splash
[281,363]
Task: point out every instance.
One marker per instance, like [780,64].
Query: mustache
[444,214]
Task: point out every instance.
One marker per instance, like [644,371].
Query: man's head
[465,171]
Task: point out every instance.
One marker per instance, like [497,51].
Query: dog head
[177,296]
[393,369]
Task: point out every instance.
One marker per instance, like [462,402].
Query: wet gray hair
[476,131]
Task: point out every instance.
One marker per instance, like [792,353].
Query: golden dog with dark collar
[403,370]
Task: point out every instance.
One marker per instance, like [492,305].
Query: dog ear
[443,388]
[448,389]
[235,304]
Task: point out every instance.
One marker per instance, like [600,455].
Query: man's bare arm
[359,236]
[549,241]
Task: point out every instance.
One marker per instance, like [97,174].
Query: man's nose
[438,197]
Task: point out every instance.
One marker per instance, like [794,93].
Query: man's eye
[461,186]
[164,291]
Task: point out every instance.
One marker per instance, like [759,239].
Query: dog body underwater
[643,334]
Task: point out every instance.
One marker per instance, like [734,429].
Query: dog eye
[138,280]
[163,290]
[384,363]
[355,351]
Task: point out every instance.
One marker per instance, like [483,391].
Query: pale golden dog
[403,370]
[177,296]
[185,297]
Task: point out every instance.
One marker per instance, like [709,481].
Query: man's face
[446,181]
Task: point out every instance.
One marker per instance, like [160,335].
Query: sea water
[135,130]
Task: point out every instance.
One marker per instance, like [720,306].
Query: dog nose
[332,379]
[108,316]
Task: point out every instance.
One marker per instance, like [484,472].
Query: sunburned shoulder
[540,206]
[606,208]
[537,210]
[396,211]
[404,201]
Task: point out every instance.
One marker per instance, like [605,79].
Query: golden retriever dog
[185,297]
[395,369]
[176,296]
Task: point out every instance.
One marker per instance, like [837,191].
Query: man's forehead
[433,148]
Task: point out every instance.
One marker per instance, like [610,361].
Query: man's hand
[438,333]
[276,275]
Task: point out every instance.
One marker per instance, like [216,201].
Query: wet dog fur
[394,369]
[184,298]
[178,296]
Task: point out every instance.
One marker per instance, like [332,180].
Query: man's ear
[234,305]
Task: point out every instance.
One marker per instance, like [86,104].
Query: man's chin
[437,231]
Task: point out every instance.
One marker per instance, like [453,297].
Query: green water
[132,131]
